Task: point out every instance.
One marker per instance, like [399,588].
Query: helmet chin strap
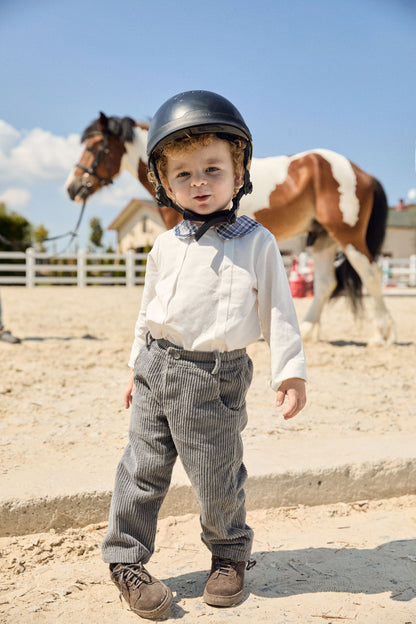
[208,220]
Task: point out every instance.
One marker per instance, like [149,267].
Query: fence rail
[400,272]
[32,268]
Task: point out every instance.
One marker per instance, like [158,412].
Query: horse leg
[323,252]
[370,275]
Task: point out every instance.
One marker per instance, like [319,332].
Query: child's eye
[183,174]
[212,169]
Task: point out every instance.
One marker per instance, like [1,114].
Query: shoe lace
[133,575]
[227,566]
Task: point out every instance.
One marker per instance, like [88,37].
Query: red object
[297,282]
[309,279]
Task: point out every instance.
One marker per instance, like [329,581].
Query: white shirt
[220,294]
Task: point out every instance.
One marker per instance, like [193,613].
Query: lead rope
[72,233]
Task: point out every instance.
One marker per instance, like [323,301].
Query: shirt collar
[241,226]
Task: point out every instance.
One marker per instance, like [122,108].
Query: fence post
[130,268]
[385,271]
[30,267]
[81,265]
[412,270]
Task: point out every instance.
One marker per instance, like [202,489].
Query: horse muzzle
[79,189]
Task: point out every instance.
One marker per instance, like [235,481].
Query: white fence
[398,272]
[32,268]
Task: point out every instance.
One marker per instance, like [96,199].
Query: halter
[92,171]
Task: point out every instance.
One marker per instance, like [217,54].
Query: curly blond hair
[190,143]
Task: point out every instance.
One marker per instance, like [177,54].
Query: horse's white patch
[267,173]
[369,272]
[135,151]
[71,175]
[347,183]
[69,179]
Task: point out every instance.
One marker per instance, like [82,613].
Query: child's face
[203,179]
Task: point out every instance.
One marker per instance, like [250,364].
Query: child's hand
[294,390]
[128,393]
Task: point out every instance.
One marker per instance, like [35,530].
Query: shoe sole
[223,601]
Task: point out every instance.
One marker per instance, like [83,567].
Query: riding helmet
[195,112]
[191,113]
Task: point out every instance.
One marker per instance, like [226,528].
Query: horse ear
[103,122]
[127,125]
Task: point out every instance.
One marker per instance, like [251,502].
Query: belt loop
[149,340]
[217,365]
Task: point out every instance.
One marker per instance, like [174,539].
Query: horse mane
[120,127]
[90,131]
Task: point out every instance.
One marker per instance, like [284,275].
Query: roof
[402,218]
[133,207]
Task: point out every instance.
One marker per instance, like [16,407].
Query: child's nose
[199,178]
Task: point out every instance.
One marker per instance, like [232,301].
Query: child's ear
[169,192]
[238,179]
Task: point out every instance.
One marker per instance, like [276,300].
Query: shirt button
[176,355]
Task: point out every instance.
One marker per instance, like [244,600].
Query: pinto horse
[318,193]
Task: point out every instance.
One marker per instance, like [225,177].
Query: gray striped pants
[191,404]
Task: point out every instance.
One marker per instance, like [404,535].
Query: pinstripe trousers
[191,404]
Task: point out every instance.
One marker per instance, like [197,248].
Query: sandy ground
[60,400]
[329,564]
[61,389]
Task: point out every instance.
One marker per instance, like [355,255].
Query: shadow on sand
[390,567]
[63,338]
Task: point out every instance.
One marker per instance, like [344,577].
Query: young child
[213,285]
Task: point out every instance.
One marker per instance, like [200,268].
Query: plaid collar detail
[242,225]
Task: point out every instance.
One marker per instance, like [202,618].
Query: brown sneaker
[225,586]
[145,594]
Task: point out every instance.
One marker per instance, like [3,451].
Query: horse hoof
[309,331]
[384,336]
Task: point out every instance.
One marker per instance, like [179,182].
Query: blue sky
[304,73]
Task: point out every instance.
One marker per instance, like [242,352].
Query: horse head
[100,161]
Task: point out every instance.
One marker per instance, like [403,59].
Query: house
[400,240]
[137,225]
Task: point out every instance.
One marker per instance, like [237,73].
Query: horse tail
[348,281]
[377,225]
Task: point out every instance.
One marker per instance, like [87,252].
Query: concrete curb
[341,483]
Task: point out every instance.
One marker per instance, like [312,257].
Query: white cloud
[411,194]
[15,198]
[8,136]
[36,156]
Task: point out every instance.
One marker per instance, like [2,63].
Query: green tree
[40,234]
[15,230]
[96,233]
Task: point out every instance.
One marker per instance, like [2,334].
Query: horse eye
[90,149]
